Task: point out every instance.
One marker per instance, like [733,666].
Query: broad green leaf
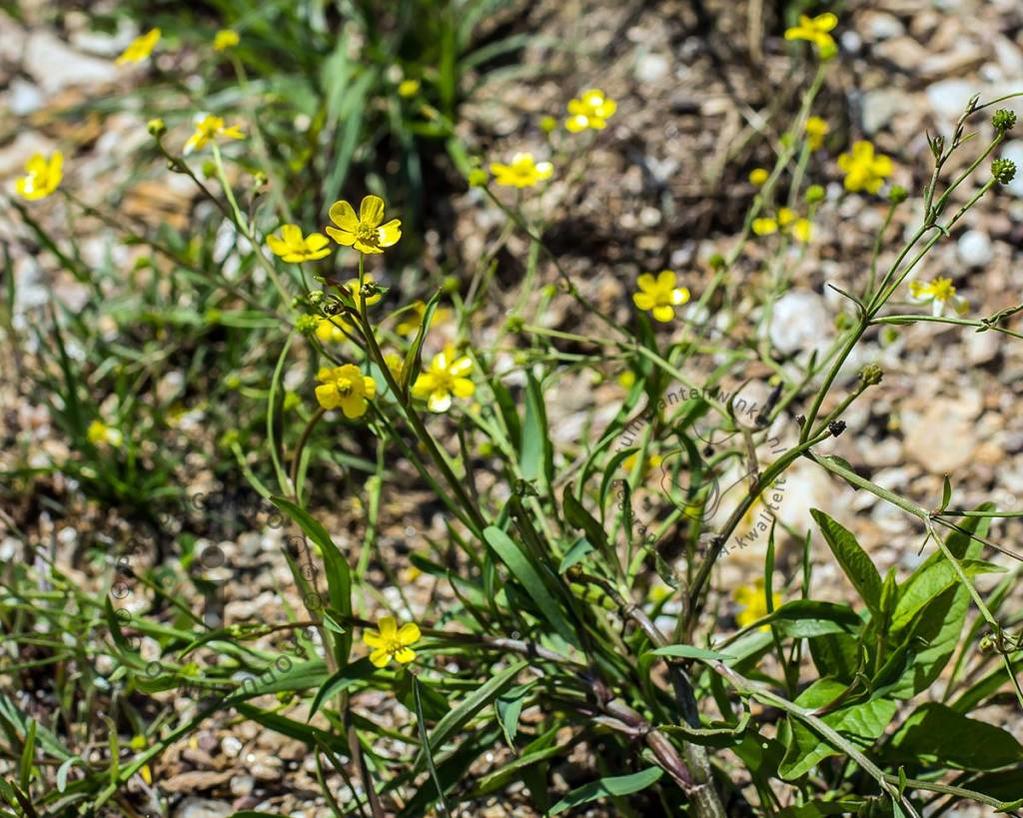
[854,561]
[859,723]
[933,581]
[524,571]
[836,655]
[936,734]
[806,618]
[618,785]
[938,625]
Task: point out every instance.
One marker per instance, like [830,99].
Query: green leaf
[509,708]
[692,652]
[857,566]
[339,576]
[580,518]
[459,716]
[537,452]
[575,554]
[806,618]
[341,681]
[860,723]
[936,734]
[523,571]
[935,579]
[619,785]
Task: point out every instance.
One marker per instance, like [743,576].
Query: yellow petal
[825,22]
[327,396]
[353,406]
[292,234]
[389,233]
[371,211]
[342,237]
[439,401]
[463,388]
[373,639]
[663,314]
[644,301]
[646,282]
[316,241]
[666,280]
[409,633]
[388,627]
[405,655]
[380,658]
[343,215]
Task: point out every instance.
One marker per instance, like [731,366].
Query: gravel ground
[664,186]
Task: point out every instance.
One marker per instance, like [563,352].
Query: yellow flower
[207,127]
[413,317]
[938,292]
[225,38]
[522,172]
[816,130]
[363,232]
[758,176]
[444,378]
[395,364]
[652,462]
[754,602]
[42,176]
[140,48]
[660,295]
[803,230]
[345,387]
[389,642]
[408,88]
[293,247]
[352,285]
[864,170]
[332,330]
[548,124]
[627,379]
[785,216]
[99,434]
[815,30]
[765,226]
[590,110]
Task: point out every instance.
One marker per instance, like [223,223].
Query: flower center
[367,235]
[344,387]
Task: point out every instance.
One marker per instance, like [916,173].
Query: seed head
[1003,170]
[1003,120]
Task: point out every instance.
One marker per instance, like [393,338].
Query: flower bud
[478,177]
[898,194]
[871,375]
[157,127]
[307,324]
[815,194]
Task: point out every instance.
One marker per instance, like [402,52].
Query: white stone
[193,807]
[55,66]
[799,321]
[883,26]
[948,98]
[974,248]
[25,97]
[1014,150]
[652,68]
[880,106]
[942,440]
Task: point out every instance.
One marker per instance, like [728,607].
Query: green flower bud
[898,194]
[514,324]
[548,124]
[478,177]
[549,291]
[213,316]
[815,194]
[1004,120]
[871,375]
[307,324]
[157,127]
[451,284]
[1003,170]
[232,380]
[717,262]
